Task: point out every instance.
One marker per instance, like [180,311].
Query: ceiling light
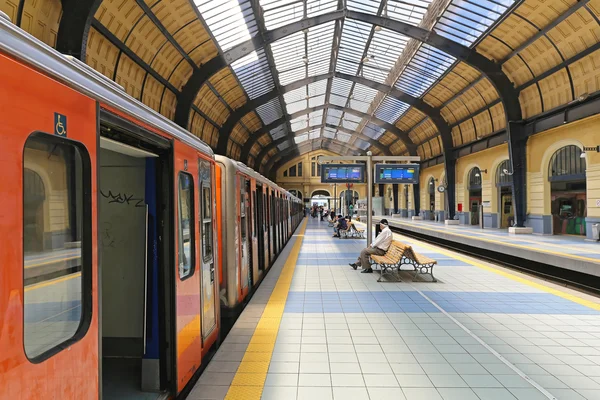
[366,59]
[305,59]
[378,28]
[582,155]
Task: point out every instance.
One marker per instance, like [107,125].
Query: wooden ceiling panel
[174,14]
[543,12]
[540,56]
[437,95]
[264,140]
[487,90]
[423,132]
[586,74]
[255,150]
[397,148]
[250,161]
[456,136]
[119,16]
[193,35]
[181,74]
[514,31]
[421,153]
[166,61]
[209,104]
[556,90]
[145,40]
[131,76]
[517,70]
[577,33]
[493,48]
[410,119]
[531,103]
[168,105]
[467,130]
[483,124]
[152,93]
[498,117]
[252,121]
[387,138]
[233,150]
[227,85]
[41,18]
[457,110]
[101,54]
[239,134]
[447,115]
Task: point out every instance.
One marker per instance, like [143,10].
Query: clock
[441,189]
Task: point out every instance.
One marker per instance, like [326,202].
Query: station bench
[352,231]
[402,254]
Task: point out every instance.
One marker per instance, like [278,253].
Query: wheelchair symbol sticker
[60,125]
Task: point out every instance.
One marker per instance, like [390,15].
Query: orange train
[124,241]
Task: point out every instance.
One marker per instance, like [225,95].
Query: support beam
[288,154]
[74,27]
[256,135]
[395,195]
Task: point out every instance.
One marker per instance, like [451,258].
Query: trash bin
[596,231]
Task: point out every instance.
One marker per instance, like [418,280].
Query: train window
[56,244]
[186,226]
[255,213]
[207,232]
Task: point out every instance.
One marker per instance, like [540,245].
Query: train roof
[240,166]
[84,79]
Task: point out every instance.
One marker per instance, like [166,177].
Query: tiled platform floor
[478,333]
[566,245]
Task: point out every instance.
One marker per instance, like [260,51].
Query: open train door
[48,302]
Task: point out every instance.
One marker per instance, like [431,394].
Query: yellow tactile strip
[251,374]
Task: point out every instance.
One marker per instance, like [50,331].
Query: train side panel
[48,278]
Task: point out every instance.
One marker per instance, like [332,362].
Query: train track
[561,276]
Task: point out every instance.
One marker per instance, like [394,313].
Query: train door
[259,212]
[48,298]
[272,225]
[249,235]
[134,185]
[244,242]
[209,287]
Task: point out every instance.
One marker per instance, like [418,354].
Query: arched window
[502,178]
[296,193]
[475,179]
[431,186]
[567,165]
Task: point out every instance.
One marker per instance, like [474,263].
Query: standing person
[379,247]
[321,212]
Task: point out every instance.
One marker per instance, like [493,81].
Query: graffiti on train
[123,198]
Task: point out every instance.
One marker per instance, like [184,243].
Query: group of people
[339,223]
[318,211]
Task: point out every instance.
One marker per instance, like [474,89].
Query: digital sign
[397,173]
[343,173]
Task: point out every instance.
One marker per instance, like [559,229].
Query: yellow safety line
[595,260]
[52,282]
[251,374]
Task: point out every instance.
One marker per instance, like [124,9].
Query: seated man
[379,247]
[341,224]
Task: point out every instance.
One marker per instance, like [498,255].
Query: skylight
[270,111]
[230,21]
[282,12]
[301,138]
[391,109]
[254,73]
[426,67]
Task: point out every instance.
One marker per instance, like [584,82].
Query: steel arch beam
[74,26]
[256,135]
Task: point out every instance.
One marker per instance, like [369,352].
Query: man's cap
[340,216]
[384,222]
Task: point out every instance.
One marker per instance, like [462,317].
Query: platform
[567,252]
[316,329]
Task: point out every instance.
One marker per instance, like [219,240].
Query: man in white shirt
[379,247]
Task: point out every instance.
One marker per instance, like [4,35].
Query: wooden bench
[352,232]
[400,254]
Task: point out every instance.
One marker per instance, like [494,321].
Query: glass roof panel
[314,134]
[464,21]
[424,69]
[278,132]
[391,109]
[384,50]
[316,101]
[362,144]
[281,12]
[317,88]
[333,117]
[373,131]
[318,7]
[365,6]
[283,145]
[301,138]
[295,95]
[410,11]
[343,137]
[329,132]
[230,21]
[355,35]
[362,96]
[270,111]
[254,73]
[319,44]
[299,123]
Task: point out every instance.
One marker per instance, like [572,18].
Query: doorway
[133,190]
[431,192]
[504,186]
[474,188]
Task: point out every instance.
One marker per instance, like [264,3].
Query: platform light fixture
[481,170]
[586,149]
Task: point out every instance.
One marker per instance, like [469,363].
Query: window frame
[192,214]
[206,184]
[86,246]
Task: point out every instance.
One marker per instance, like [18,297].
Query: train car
[109,243]
[256,219]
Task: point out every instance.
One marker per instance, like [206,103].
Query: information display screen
[343,173]
[397,173]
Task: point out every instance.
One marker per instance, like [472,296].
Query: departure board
[343,173]
[397,173]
